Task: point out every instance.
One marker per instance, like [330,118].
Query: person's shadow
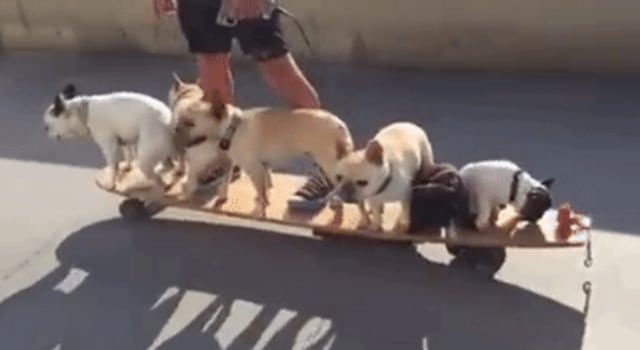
[370,295]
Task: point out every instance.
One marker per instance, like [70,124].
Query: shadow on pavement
[376,296]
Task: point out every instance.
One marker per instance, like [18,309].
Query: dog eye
[338,178]
[362,183]
[188,123]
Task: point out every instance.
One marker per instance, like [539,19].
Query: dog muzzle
[347,192]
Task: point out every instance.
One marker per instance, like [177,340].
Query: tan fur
[182,95]
[268,137]
[384,171]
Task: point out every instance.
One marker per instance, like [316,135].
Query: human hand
[165,7]
[245,9]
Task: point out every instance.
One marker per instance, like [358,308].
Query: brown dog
[258,139]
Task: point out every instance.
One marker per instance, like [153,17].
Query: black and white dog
[492,184]
[138,125]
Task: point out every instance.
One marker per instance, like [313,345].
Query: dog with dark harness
[438,199]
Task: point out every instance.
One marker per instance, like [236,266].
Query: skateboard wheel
[133,209]
[488,261]
[455,250]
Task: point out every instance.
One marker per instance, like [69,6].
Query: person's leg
[263,40]
[211,44]
[214,70]
[285,78]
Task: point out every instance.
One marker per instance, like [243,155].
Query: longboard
[343,223]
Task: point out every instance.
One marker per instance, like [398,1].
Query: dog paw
[400,227]
[220,201]
[335,203]
[186,192]
[364,223]
[482,226]
[373,226]
[259,212]
[107,184]
[184,197]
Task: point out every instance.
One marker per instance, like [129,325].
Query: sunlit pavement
[74,276]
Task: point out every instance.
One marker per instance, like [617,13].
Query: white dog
[384,171]
[136,124]
[491,184]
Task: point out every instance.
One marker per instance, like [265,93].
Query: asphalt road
[75,277]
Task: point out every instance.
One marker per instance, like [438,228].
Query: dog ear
[374,152]
[342,149]
[177,82]
[548,182]
[69,91]
[58,105]
[218,107]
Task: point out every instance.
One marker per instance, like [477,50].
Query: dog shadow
[363,294]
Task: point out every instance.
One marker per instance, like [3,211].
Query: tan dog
[384,171]
[201,151]
[259,139]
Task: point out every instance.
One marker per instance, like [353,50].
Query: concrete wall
[579,35]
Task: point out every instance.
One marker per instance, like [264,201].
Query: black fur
[538,201]
[69,91]
[58,106]
[437,199]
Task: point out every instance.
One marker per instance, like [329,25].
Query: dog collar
[196,141]
[225,142]
[515,183]
[386,182]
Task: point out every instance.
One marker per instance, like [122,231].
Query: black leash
[295,20]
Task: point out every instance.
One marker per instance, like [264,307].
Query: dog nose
[347,192]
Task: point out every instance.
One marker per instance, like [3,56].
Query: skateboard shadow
[338,294]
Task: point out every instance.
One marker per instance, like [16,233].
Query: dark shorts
[262,39]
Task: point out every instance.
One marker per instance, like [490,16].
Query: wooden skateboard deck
[343,223]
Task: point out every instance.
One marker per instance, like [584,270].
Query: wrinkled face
[537,202]
[202,118]
[361,174]
[62,122]
[195,116]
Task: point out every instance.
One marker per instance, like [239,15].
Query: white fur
[488,183]
[137,119]
[406,150]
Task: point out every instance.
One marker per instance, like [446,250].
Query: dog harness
[515,183]
[196,141]
[225,142]
[386,182]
